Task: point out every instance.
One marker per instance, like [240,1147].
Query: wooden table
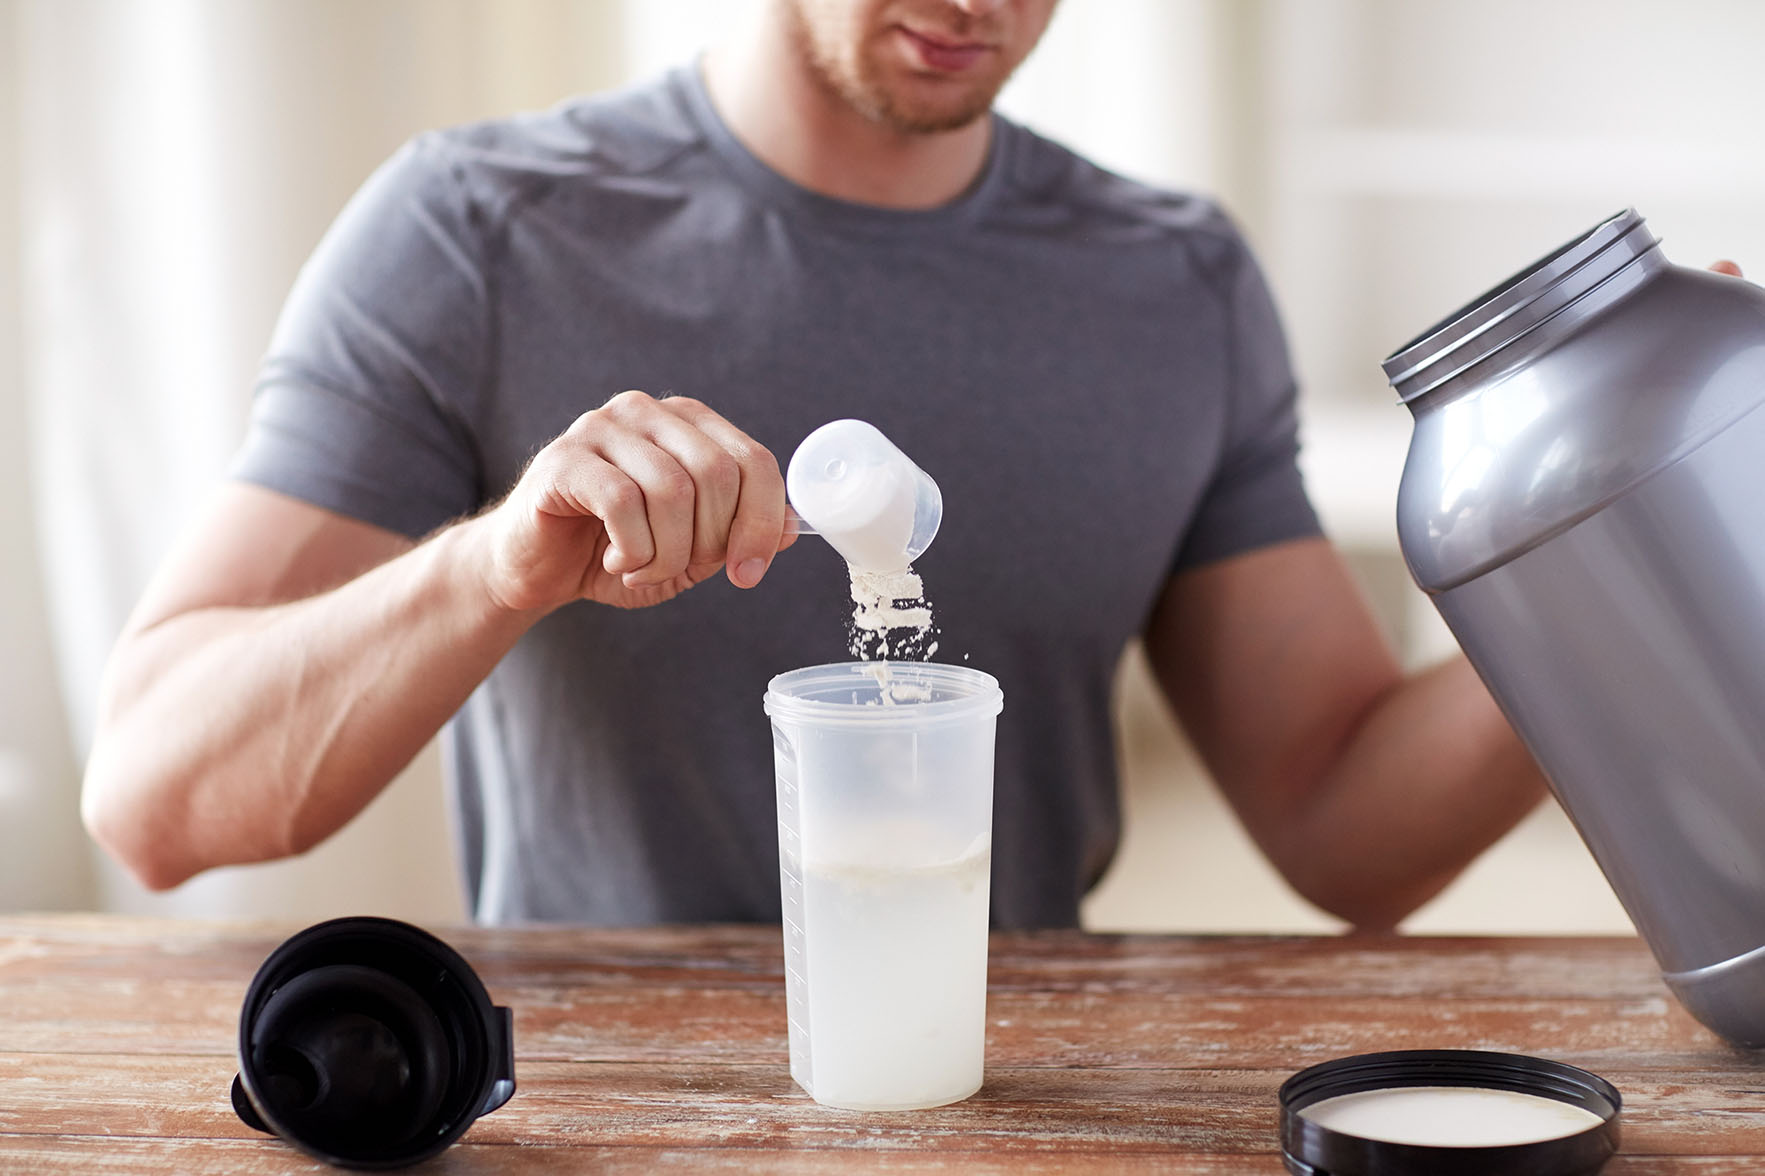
[664,1050]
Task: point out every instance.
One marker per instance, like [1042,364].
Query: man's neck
[783,114]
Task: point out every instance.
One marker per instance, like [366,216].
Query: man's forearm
[242,734]
[1429,779]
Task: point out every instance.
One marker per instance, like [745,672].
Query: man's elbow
[127,834]
[1369,915]
[1366,904]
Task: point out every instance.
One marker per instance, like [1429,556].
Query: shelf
[1367,161]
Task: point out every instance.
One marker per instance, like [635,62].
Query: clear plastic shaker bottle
[885,817]
[851,486]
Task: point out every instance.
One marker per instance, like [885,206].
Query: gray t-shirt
[1091,369]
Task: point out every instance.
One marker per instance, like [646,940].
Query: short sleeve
[363,401]
[1257,496]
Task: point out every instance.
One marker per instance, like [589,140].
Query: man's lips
[944,56]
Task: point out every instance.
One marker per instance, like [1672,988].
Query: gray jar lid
[1517,306]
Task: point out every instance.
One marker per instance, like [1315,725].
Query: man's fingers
[631,433]
[589,484]
[668,496]
[753,533]
[717,477]
[1727,267]
[678,488]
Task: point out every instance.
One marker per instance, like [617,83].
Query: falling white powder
[890,616]
[891,690]
[879,597]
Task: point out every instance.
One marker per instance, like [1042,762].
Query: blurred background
[166,165]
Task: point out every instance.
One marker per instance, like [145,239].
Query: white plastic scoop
[850,485]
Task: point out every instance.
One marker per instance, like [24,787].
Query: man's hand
[1727,267]
[636,502]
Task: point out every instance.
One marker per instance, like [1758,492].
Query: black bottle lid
[370,1043]
[1312,1149]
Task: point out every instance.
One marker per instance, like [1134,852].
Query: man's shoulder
[1052,184]
[619,133]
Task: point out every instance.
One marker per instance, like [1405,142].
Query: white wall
[1417,153]
[1141,86]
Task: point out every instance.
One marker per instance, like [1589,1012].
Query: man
[824,221]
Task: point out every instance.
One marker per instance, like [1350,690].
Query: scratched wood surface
[664,1050]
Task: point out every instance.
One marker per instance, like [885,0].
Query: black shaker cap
[370,1043]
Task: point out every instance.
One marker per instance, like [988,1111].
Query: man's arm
[1367,789]
[287,662]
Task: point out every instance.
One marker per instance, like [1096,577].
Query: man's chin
[923,117]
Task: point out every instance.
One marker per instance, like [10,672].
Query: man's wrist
[470,560]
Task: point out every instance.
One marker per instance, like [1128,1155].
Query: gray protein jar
[1584,500]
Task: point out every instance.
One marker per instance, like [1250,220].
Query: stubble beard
[854,80]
